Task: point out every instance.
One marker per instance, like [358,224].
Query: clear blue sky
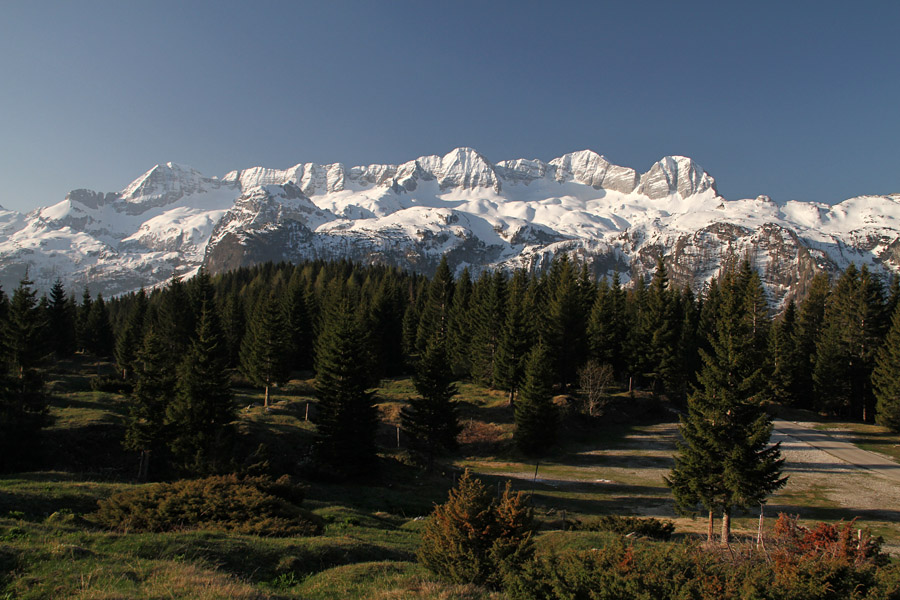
[798,99]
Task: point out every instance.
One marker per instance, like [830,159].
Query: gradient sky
[797,100]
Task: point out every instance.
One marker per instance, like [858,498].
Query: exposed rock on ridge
[517,213]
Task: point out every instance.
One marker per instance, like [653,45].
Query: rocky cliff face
[517,213]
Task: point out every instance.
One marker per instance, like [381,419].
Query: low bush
[658,529]
[637,569]
[473,538]
[252,505]
[111,385]
[842,540]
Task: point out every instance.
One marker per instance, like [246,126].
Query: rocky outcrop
[675,175]
[589,168]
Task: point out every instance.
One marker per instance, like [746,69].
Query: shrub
[112,385]
[474,539]
[648,527]
[828,570]
[252,505]
[841,541]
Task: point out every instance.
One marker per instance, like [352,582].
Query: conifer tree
[535,414]
[199,417]
[81,320]
[175,318]
[488,306]
[131,335]
[725,461]
[688,345]
[154,387]
[516,339]
[471,538]
[25,333]
[810,318]
[298,327]
[385,318]
[100,340]
[264,351]
[431,419]
[459,336]
[414,307]
[23,404]
[636,342]
[434,318]
[886,377]
[565,332]
[847,346]
[787,358]
[347,419]
[233,327]
[61,321]
[607,326]
[660,328]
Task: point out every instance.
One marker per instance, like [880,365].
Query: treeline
[834,352]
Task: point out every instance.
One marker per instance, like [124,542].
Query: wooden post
[398,436]
[306,417]
[534,482]
[759,533]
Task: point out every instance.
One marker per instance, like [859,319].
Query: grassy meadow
[52,547]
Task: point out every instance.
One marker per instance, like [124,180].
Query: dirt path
[841,450]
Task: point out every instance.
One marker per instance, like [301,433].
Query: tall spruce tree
[459,336]
[23,404]
[516,339]
[607,326]
[688,346]
[233,326]
[848,343]
[264,351]
[885,379]
[131,335]
[199,417]
[145,430]
[488,306]
[61,321]
[810,319]
[535,414]
[435,315]
[636,341]
[724,461]
[347,419]
[81,320]
[431,420]
[25,333]
[385,319]
[175,318]
[565,332]
[100,338]
[787,358]
[660,324]
[298,327]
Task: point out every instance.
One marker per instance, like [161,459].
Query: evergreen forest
[342,430]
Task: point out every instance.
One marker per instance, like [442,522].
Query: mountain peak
[675,175]
[164,184]
[590,168]
[466,168]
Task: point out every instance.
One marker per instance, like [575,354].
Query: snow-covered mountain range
[515,213]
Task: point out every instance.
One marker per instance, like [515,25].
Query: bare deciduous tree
[593,379]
